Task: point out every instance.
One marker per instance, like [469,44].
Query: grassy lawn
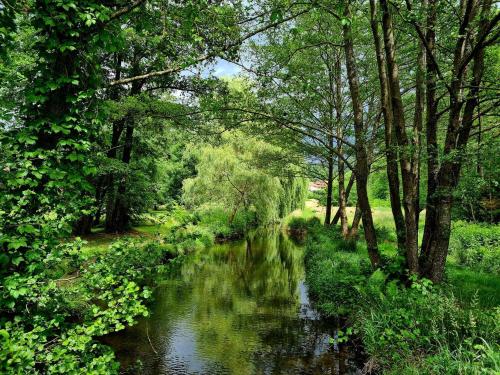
[152,224]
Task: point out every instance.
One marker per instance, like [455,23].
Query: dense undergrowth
[417,329]
[92,288]
[476,246]
[81,296]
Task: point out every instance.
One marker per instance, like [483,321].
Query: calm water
[239,308]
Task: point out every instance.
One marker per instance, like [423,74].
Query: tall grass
[423,329]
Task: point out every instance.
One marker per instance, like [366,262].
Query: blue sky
[223,68]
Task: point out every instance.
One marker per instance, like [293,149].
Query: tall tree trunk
[117,210]
[362,169]
[342,200]
[329,190]
[330,125]
[409,169]
[118,127]
[83,225]
[418,119]
[340,163]
[118,219]
[430,130]
[350,184]
[390,141]
[104,184]
[435,249]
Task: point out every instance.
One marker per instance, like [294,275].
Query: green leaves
[345,21]
[44,149]
[276,15]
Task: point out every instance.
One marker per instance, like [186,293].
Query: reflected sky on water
[237,308]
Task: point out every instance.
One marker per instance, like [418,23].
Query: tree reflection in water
[239,308]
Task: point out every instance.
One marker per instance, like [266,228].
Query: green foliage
[218,221]
[189,238]
[476,246]
[231,177]
[478,192]
[412,329]
[45,144]
[425,327]
[173,170]
[298,224]
[99,295]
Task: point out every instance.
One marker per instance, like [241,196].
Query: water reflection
[240,308]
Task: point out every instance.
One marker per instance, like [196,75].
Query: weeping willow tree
[235,176]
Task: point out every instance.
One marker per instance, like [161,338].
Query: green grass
[155,229]
[152,224]
[96,244]
[430,329]
[467,284]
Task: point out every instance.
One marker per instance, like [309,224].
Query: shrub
[297,224]
[476,246]
[420,325]
[189,238]
[108,292]
[217,220]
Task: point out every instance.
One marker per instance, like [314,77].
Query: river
[238,308]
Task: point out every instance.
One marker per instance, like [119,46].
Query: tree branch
[206,56]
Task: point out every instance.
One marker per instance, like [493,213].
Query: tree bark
[350,184]
[361,153]
[329,190]
[119,218]
[390,141]
[353,232]
[117,213]
[83,225]
[340,163]
[407,152]
[435,248]
[430,130]
[418,120]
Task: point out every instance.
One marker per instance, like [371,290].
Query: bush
[421,326]
[108,292]
[189,238]
[217,220]
[476,246]
[297,224]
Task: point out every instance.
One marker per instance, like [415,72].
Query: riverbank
[241,307]
[95,286]
[424,329]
